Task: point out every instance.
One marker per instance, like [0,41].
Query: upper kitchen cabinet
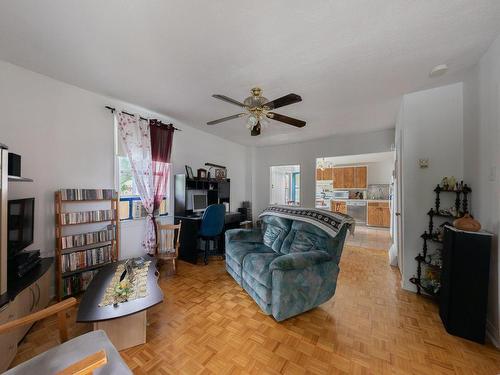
[338,178]
[360,174]
[324,174]
[350,177]
[328,174]
[319,174]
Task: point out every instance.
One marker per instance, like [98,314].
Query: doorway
[285,185]
[361,186]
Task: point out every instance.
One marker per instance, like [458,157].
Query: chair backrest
[212,222]
[167,241]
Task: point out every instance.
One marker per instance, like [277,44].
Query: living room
[414,85]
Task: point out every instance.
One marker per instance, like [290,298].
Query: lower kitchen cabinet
[378,214]
[338,206]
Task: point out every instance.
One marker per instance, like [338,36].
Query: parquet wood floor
[208,325]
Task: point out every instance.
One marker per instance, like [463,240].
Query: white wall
[482,162]
[380,172]
[305,154]
[65,137]
[432,127]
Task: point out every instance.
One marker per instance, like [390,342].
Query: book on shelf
[89,238]
[87,194]
[88,258]
[77,283]
[83,217]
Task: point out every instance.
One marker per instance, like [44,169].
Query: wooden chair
[167,243]
[87,362]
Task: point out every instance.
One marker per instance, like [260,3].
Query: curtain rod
[142,118]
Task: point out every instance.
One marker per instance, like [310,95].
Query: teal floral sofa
[291,264]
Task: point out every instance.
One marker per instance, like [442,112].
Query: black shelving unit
[218,191]
[429,261]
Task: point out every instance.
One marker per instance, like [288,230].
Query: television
[20,222]
[199,202]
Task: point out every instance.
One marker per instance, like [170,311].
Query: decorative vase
[467,223]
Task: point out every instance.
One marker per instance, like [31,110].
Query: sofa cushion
[256,274]
[275,230]
[237,251]
[257,265]
[305,237]
[58,358]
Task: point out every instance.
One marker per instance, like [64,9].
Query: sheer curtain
[136,141]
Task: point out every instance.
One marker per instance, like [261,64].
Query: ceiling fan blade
[283,101]
[286,119]
[255,130]
[229,100]
[226,118]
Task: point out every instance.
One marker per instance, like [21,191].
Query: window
[285,185]
[130,204]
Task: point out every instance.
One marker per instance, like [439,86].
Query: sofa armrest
[244,235]
[297,261]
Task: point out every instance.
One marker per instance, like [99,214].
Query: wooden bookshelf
[61,251]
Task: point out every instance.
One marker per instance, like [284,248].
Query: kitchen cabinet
[324,174]
[378,214]
[319,174]
[349,177]
[360,174]
[338,178]
[338,206]
[328,174]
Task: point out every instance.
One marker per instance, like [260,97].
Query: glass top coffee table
[124,323]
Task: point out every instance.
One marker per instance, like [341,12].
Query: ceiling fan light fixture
[252,121]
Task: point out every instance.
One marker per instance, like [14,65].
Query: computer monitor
[199,202]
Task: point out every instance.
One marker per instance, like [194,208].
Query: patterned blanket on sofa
[330,222]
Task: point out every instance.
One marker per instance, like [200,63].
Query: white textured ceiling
[350,60]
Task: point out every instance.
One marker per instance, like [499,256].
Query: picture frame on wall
[189,172]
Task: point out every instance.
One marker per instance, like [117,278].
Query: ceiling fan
[258,110]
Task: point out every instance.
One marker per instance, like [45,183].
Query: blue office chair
[212,225]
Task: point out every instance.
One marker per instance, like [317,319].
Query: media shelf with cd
[89,249]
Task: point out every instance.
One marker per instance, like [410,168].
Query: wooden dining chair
[167,243]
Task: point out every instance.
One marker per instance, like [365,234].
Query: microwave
[340,194]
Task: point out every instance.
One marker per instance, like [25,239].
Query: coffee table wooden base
[125,332]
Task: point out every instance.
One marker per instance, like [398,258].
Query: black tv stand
[16,285]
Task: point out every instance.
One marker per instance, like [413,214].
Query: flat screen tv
[20,220]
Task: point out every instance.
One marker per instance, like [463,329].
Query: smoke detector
[438,70]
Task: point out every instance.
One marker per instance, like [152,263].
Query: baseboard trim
[492,334]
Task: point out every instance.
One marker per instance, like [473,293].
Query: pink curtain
[161,148]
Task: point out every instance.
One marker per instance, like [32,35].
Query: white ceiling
[349,60]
